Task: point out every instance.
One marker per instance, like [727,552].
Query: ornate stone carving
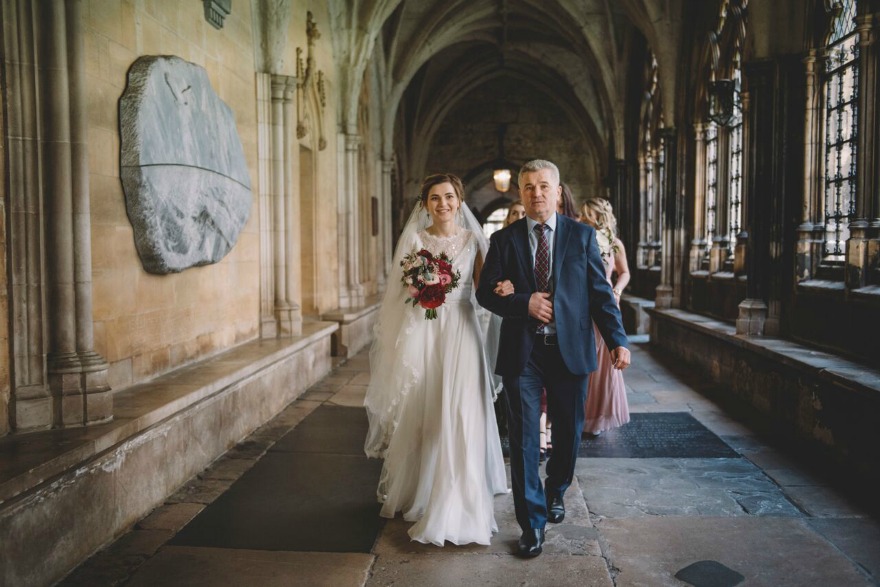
[187,188]
[216,11]
[311,88]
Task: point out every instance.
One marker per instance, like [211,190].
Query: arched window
[653,170]
[711,184]
[735,165]
[495,221]
[840,86]
[723,153]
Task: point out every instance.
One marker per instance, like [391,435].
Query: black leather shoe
[555,509]
[531,543]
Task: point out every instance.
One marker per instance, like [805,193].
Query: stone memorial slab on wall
[186,184]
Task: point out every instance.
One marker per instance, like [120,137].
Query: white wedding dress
[430,408]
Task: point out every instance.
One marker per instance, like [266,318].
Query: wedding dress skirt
[443,462]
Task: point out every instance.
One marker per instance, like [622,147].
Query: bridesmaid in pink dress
[606,405]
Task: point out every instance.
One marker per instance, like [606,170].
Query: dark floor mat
[657,435]
[329,429]
[300,500]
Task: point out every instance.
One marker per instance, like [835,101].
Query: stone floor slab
[185,566]
[172,516]
[623,488]
[489,570]
[349,396]
[769,552]
[858,539]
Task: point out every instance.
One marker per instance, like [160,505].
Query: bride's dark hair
[438,178]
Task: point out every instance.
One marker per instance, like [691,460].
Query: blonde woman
[606,406]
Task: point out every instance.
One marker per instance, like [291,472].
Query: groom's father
[547,340]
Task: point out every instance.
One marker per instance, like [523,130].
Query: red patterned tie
[542,259]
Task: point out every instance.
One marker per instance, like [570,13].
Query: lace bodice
[462,249]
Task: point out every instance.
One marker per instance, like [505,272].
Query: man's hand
[620,357]
[541,307]
[504,288]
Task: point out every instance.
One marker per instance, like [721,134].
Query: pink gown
[606,406]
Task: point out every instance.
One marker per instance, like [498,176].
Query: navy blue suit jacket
[581,295]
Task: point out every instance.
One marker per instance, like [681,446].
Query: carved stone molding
[216,11]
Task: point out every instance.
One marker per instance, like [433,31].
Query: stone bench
[823,405]
[66,493]
[355,327]
[634,310]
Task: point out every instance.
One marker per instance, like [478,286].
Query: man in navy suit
[546,340]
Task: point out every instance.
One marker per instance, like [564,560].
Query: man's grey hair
[538,165]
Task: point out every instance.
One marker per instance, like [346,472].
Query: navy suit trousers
[566,394]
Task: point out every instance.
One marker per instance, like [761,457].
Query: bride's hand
[504,288]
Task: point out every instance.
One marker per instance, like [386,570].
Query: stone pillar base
[33,408]
[289,320]
[79,389]
[663,296]
[268,327]
[352,297]
[752,316]
[697,253]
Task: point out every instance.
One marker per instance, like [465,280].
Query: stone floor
[751,516]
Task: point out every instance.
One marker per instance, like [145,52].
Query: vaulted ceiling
[429,55]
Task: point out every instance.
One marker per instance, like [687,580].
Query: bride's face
[442,202]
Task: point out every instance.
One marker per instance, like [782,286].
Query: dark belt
[548,339]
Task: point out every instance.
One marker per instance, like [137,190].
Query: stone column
[808,250]
[351,292]
[63,363]
[265,133]
[644,258]
[32,403]
[284,311]
[77,375]
[93,367]
[669,291]
[758,184]
[385,249]
[858,243]
[698,244]
[292,226]
[624,208]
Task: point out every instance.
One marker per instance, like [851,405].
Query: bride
[429,401]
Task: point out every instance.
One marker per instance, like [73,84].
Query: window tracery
[841,90]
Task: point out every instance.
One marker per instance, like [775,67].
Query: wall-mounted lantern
[722,96]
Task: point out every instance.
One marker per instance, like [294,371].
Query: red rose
[432,296]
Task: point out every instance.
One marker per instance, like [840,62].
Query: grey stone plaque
[186,184]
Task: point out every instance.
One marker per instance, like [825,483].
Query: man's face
[540,192]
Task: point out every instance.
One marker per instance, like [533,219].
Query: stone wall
[148,324]
[4,311]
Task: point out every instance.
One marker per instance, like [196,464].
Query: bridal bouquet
[428,278]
